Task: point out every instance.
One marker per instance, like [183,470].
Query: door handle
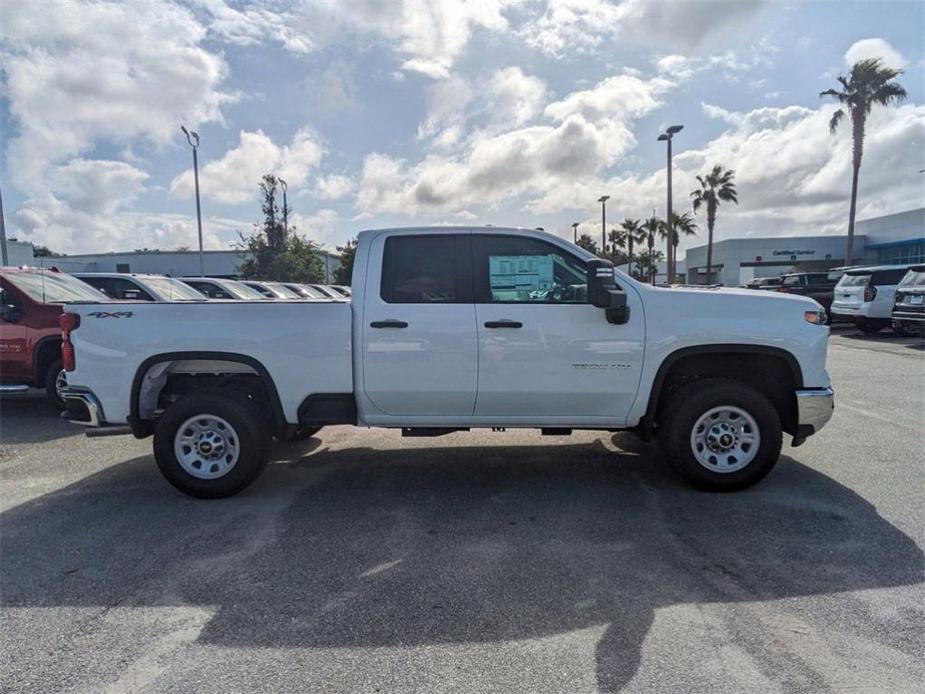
[388,324]
[503,324]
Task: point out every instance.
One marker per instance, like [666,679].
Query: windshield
[54,287]
[914,279]
[242,291]
[173,290]
[284,290]
[854,281]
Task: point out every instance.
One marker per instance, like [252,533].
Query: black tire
[300,433]
[51,389]
[253,435]
[694,400]
[868,326]
[904,329]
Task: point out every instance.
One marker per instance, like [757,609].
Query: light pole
[603,200]
[193,139]
[575,232]
[669,256]
[5,258]
[285,187]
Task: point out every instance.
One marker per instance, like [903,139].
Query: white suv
[866,294]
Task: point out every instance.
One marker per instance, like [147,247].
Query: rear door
[544,351]
[418,326]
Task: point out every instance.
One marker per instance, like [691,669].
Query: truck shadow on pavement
[372,548]
[30,418]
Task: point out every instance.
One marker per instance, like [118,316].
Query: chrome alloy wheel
[61,384]
[206,446]
[725,439]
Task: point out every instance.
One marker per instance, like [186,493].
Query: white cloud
[233,179]
[588,25]
[254,25]
[875,48]
[515,97]
[334,186]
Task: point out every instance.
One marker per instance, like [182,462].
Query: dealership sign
[804,252]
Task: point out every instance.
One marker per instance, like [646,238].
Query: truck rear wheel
[211,445]
[721,434]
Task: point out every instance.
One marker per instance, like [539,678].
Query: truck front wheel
[211,445]
[721,434]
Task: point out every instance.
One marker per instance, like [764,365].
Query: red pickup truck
[31,299]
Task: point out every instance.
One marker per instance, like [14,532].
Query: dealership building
[172,263]
[889,240]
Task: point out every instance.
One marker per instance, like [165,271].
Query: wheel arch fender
[647,424]
[141,391]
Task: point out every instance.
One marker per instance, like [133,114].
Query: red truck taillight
[68,322]
[870,293]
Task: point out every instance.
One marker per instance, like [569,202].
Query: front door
[544,351]
[15,354]
[419,339]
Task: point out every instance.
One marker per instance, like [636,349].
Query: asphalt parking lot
[479,562]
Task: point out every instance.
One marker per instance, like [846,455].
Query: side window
[101,283]
[427,270]
[512,269]
[793,281]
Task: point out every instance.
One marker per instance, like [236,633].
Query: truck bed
[304,346]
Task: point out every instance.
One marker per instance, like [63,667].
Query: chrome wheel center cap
[210,445]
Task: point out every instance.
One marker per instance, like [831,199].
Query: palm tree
[715,187]
[653,227]
[869,83]
[586,242]
[634,235]
[682,224]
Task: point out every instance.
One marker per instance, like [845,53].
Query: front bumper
[814,409]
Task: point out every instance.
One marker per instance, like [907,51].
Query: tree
[681,224]
[586,242]
[275,252]
[617,239]
[647,263]
[43,252]
[344,273]
[715,187]
[868,84]
[633,235]
[652,228]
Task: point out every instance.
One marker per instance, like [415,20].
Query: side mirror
[10,313]
[604,293]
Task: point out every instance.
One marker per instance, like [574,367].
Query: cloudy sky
[396,112]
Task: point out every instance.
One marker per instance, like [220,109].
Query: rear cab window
[427,269]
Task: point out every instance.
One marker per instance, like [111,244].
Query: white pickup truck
[451,329]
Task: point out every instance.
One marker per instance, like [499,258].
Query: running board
[430,431]
[117,430]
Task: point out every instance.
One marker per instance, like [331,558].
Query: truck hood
[738,295]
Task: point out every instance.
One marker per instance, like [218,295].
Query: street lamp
[575,232]
[603,200]
[285,187]
[193,139]
[666,137]
[4,259]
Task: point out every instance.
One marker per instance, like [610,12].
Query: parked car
[328,291]
[866,296]
[451,329]
[909,307]
[31,300]
[304,291]
[766,283]
[272,290]
[815,285]
[220,288]
[341,288]
[140,287]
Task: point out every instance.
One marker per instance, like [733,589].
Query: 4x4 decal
[112,314]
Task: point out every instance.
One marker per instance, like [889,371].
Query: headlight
[817,317]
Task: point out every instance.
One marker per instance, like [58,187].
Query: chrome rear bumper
[814,409]
[83,407]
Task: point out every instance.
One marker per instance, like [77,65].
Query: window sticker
[520,277]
